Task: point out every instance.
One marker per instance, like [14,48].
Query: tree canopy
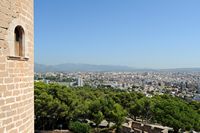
[57,106]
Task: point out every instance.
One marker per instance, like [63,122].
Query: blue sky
[137,33]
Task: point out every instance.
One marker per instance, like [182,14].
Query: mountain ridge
[73,67]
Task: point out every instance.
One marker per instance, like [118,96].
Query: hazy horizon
[132,67]
[142,34]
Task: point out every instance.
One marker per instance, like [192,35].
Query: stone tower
[16,66]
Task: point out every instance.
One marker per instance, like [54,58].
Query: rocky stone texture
[16,76]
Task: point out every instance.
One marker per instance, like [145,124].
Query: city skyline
[141,34]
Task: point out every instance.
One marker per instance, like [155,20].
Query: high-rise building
[80,82]
[16,66]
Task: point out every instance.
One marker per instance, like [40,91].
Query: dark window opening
[19,41]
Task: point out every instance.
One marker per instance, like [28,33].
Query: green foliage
[56,104]
[118,115]
[78,127]
[97,117]
[176,113]
[196,106]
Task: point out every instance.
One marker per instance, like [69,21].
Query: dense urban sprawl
[182,84]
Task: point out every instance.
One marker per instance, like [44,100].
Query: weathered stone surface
[16,76]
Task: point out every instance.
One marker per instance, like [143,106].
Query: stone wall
[55,131]
[138,127]
[16,73]
[149,128]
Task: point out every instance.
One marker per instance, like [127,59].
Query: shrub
[78,127]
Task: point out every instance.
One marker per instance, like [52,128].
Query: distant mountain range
[71,67]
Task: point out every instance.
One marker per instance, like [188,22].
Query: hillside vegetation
[62,107]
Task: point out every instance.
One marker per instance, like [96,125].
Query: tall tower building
[80,82]
[16,66]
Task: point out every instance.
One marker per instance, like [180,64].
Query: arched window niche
[17,41]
